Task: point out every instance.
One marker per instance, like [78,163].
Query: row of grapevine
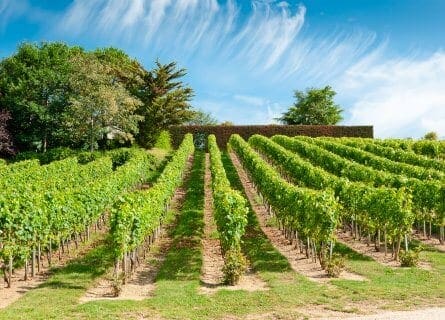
[136,216]
[313,214]
[17,167]
[398,155]
[429,148]
[230,211]
[428,197]
[374,161]
[47,205]
[373,208]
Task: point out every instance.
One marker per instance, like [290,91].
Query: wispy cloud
[10,9]
[402,97]
[267,40]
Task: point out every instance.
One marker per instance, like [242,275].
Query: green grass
[177,294]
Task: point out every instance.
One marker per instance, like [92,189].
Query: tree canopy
[165,101]
[431,136]
[202,118]
[313,107]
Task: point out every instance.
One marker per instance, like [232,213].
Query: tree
[99,105]
[34,88]
[227,123]
[431,136]
[313,107]
[202,118]
[166,101]
[6,146]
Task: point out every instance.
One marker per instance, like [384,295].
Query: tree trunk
[386,244]
[429,233]
[10,271]
[39,257]
[50,252]
[406,243]
[441,234]
[377,241]
[33,263]
[26,270]
[396,253]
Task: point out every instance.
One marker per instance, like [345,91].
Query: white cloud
[266,41]
[400,97]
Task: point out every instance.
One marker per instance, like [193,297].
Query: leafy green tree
[202,118]
[313,107]
[33,83]
[166,101]
[99,105]
[431,136]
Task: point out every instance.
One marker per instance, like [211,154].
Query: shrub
[120,156]
[335,265]
[223,133]
[410,258]
[234,266]
[86,157]
[56,154]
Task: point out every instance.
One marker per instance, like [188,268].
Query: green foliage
[395,154]
[120,156]
[335,265]
[165,101]
[409,258]
[312,213]
[99,104]
[59,95]
[202,118]
[136,215]
[86,157]
[230,210]
[431,136]
[51,155]
[235,265]
[373,207]
[376,162]
[164,140]
[34,89]
[313,107]
[429,148]
[43,204]
[426,195]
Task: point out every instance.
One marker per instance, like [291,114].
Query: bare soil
[142,283]
[19,286]
[297,260]
[212,276]
[423,314]
[433,242]
[368,250]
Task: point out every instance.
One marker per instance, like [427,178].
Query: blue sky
[385,59]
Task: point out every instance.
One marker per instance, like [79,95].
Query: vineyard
[286,227]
